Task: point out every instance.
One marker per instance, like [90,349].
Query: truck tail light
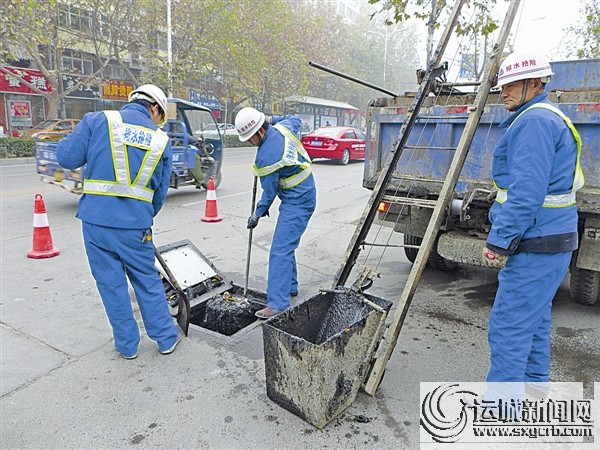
[383,207]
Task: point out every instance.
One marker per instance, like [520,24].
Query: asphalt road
[63,386]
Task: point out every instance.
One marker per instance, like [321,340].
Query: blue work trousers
[115,254]
[519,324]
[283,274]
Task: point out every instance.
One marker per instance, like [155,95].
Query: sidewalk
[210,393]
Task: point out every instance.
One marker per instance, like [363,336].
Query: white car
[228,129]
[225,129]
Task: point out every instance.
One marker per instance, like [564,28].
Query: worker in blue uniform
[284,170]
[128,163]
[536,171]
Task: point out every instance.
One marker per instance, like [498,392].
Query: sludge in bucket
[317,354]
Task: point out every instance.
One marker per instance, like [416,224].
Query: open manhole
[227,313]
[216,304]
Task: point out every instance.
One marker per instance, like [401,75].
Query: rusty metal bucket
[318,354]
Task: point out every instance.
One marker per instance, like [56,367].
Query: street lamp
[386,36]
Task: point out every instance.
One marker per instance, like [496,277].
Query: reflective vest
[123,135]
[555,200]
[292,147]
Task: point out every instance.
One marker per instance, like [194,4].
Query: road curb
[16,161]
[31,160]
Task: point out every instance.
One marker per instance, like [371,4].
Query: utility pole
[386,37]
[169,50]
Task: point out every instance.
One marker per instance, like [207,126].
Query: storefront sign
[84,90]
[20,113]
[13,82]
[116,90]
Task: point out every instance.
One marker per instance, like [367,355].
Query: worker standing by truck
[128,163]
[284,169]
[536,170]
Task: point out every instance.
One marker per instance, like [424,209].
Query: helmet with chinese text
[153,94]
[523,66]
[248,121]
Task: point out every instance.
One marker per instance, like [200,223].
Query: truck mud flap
[461,248]
[588,256]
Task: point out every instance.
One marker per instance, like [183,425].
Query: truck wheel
[411,253]
[439,262]
[585,286]
[217,179]
[345,157]
[435,259]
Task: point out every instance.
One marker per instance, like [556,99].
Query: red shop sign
[12,83]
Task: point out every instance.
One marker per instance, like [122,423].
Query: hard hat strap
[523,93]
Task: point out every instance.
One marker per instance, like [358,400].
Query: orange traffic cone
[210,212]
[42,240]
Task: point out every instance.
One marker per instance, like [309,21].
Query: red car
[341,143]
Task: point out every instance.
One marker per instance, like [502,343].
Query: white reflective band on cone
[211,195]
[40,221]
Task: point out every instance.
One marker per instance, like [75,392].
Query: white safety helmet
[248,121]
[153,94]
[523,66]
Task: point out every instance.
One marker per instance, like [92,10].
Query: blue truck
[196,155]
[409,198]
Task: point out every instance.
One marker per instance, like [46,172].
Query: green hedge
[23,147]
[233,141]
[16,147]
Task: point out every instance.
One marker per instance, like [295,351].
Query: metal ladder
[390,337]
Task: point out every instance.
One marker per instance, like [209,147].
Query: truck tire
[435,259]
[585,286]
[217,179]
[345,157]
[438,262]
[411,253]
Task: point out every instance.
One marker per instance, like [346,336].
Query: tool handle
[250,238]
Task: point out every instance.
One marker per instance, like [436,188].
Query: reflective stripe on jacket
[555,200]
[123,135]
[292,148]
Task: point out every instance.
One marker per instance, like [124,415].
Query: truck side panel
[430,148]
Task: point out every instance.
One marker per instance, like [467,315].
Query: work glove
[493,259]
[252,221]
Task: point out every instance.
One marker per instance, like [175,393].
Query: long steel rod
[348,77]
[250,240]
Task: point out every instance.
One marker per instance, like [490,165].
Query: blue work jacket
[270,152]
[90,145]
[535,157]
